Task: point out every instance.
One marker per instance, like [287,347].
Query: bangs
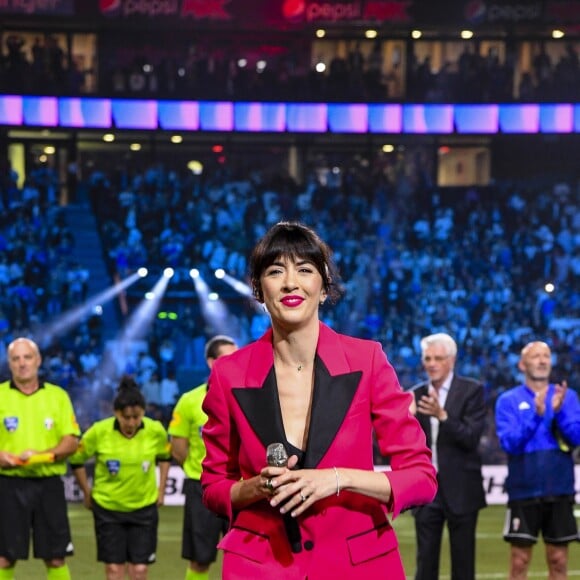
[294,245]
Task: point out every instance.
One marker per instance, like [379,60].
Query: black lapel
[331,401]
[262,409]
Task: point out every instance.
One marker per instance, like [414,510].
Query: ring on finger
[269,484]
[303,497]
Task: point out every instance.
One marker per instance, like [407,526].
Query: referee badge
[113,465]
[11,424]
[48,423]
[145,466]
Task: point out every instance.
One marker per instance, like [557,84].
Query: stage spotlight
[136,329]
[142,272]
[63,323]
[194,273]
[98,310]
[168,272]
[219,273]
[213,296]
[239,286]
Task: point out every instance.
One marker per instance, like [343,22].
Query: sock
[192,575]
[7,573]
[60,573]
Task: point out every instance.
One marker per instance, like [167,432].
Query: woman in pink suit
[325,514]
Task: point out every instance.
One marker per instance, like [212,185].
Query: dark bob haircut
[294,240]
[128,395]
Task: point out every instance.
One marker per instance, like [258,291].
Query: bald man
[38,431]
[538,424]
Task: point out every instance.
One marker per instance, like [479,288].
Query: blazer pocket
[371,544]
[250,545]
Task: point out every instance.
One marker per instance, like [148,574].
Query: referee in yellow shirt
[201,528]
[38,431]
[125,494]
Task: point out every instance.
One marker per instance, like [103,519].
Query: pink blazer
[356,392]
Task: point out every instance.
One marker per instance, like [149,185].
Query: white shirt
[441,394]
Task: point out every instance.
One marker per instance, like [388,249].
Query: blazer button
[308,545]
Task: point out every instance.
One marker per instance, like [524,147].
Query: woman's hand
[296,491]
[268,476]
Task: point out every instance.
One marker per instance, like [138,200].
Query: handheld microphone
[276,456]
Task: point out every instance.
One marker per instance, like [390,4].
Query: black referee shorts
[126,536]
[37,504]
[201,528]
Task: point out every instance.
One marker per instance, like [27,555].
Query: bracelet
[337,481]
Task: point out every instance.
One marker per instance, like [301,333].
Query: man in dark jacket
[451,411]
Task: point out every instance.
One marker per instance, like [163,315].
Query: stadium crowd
[415,259]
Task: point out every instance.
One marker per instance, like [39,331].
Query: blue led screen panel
[306,117]
[556,118]
[11,110]
[348,118]
[179,115]
[134,114]
[519,118]
[576,118]
[385,118]
[476,118]
[40,111]
[91,113]
[216,116]
[428,118]
[267,117]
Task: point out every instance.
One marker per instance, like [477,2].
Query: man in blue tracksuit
[538,424]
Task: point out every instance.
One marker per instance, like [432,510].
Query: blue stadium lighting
[213,296]
[47,333]
[219,273]
[142,272]
[137,328]
[168,272]
[239,286]
[194,273]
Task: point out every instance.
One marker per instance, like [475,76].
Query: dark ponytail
[128,395]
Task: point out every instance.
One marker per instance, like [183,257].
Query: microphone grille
[276,455]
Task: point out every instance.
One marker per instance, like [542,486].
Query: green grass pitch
[492,551]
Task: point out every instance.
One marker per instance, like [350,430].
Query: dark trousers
[429,522]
